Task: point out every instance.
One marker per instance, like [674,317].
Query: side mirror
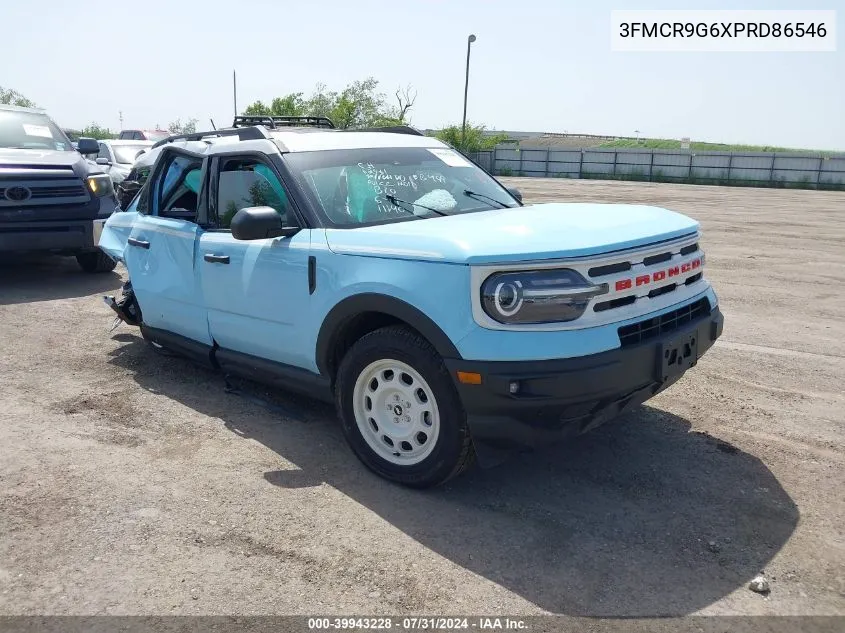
[258,223]
[102,160]
[87,146]
[516,193]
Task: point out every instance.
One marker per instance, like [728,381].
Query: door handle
[138,243]
[216,259]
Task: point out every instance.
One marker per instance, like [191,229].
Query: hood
[532,232]
[14,157]
[36,158]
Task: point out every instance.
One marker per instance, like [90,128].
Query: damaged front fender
[115,234]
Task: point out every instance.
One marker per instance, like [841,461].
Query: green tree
[359,104]
[477,139]
[321,103]
[177,127]
[289,105]
[95,130]
[13,97]
[398,114]
[257,107]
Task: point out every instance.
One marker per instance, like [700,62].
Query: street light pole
[470,40]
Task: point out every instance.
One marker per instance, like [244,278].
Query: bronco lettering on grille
[660,275]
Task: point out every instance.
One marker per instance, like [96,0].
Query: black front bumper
[48,228]
[553,399]
[70,236]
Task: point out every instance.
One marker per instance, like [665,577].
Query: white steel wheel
[396,412]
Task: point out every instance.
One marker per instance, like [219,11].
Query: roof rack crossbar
[243,120]
[395,129]
[243,133]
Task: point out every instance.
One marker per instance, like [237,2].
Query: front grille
[663,324]
[57,192]
[53,191]
[661,291]
[614,303]
[655,266]
[657,259]
[610,269]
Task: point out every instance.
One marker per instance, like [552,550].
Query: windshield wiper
[473,194]
[393,199]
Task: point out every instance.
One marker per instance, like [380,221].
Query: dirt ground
[132,483]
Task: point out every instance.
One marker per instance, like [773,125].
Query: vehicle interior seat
[362,196]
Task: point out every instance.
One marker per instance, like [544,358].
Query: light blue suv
[382,270]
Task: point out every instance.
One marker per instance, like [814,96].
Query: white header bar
[723,31]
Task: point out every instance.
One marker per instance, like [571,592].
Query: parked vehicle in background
[117,157]
[131,184]
[143,135]
[387,273]
[50,195]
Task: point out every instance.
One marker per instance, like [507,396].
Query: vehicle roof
[127,141]
[294,140]
[312,139]
[8,106]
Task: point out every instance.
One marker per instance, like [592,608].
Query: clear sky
[538,65]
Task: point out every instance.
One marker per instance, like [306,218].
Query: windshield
[367,186]
[30,130]
[156,136]
[126,154]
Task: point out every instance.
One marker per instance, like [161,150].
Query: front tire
[95,262]
[399,410]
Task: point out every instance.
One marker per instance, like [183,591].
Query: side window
[142,174]
[104,152]
[178,187]
[142,201]
[247,182]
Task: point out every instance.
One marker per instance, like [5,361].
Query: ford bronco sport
[50,194]
[384,271]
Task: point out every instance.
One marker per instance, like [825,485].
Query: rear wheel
[95,262]
[400,411]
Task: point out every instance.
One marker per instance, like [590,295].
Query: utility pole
[235,91]
[470,40]
[120,115]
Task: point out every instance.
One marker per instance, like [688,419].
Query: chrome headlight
[538,296]
[100,185]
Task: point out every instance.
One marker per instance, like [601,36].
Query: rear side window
[177,190]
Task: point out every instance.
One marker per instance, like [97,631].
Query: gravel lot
[132,483]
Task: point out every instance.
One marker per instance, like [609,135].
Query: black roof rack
[395,129]
[244,134]
[244,120]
